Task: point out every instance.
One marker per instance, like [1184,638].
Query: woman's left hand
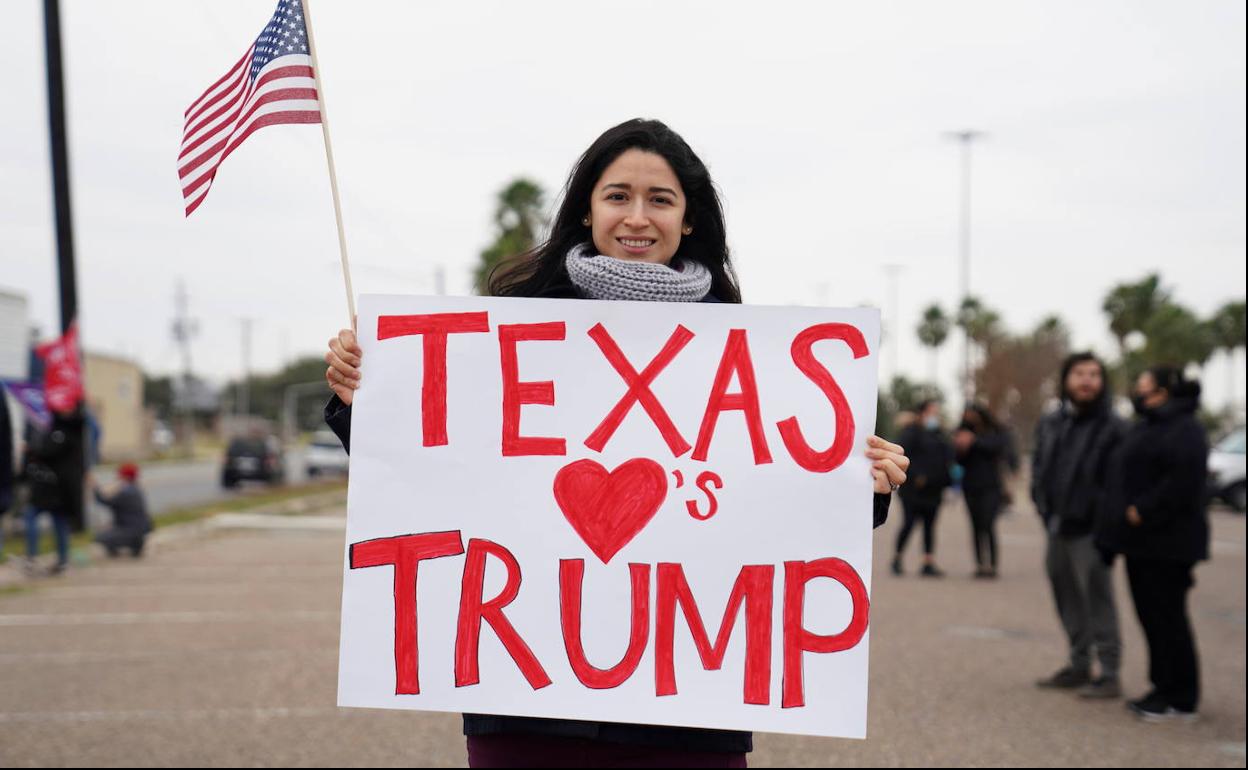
[888,464]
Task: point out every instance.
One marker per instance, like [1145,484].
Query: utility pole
[892,274]
[184,328]
[966,139]
[244,408]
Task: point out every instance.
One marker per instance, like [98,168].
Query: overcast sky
[1116,146]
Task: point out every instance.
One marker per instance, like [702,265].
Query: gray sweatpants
[1084,596]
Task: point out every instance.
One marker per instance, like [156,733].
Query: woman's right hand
[343,374]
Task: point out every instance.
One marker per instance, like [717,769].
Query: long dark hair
[987,420]
[541,271]
[1174,381]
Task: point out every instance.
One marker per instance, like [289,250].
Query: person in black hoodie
[6,464]
[1157,520]
[638,195]
[55,467]
[931,457]
[1070,463]
[983,446]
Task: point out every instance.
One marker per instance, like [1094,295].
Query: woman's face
[1147,391]
[637,209]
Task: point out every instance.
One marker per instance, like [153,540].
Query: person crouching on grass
[640,220]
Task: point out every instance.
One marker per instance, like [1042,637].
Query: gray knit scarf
[600,277]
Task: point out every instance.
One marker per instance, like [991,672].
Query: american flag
[271,84]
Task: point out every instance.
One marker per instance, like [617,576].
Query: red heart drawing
[608,509]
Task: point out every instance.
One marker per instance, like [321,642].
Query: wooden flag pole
[329,157]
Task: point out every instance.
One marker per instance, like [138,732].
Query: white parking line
[42,717]
[122,618]
[51,658]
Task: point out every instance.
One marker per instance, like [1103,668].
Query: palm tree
[982,326]
[518,215]
[1175,336]
[933,330]
[1131,305]
[1228,334]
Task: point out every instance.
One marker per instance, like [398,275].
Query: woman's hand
[343,374]
[1133,516]
[888,464]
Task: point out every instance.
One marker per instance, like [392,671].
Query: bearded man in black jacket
[1070,464]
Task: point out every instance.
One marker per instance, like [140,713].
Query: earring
[688,230]
[585,221]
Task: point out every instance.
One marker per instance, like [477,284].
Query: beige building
[115,393]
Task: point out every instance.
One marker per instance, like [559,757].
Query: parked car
[1226,470]
[253,459]
[325,454]
[162,436]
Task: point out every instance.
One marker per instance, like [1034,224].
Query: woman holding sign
[640,220]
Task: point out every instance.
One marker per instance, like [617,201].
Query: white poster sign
[617,511]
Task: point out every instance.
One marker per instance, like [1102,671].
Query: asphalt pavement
[220,648]
[177,484]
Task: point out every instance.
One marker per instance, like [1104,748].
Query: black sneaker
[1101,689]
[1151,708]
[931,570]
[1067,679]
[897,565]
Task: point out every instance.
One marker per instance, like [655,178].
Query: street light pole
[892,274]
[966,139]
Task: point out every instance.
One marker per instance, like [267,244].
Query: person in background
[54,467]
[1157,520]
[1070,463]
[6,464]
[131,522]
[983,446]
[928,476]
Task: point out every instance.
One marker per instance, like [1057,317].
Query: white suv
[1226,470]
[325,454]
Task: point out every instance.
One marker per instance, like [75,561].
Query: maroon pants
[550,751]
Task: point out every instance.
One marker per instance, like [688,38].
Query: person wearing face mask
[1070,461]
[931,457]
[983,446]
[639,220]
[1157,520]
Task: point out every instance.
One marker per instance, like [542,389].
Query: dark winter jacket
[55,466]
[982,462]
[6,454]
[1070,464]
[931,457]
[1160,468]
[129,509]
